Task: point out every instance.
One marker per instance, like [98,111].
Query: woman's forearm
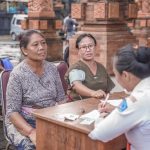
[85,91]
[20,123]
[82,90]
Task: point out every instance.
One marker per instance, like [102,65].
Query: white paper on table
[87,121]
[115,102]
[94,114]
[90,117]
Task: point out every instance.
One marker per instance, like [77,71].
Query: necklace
[95,77]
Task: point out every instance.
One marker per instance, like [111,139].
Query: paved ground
[5,38]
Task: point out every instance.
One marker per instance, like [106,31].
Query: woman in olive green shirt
[87,77]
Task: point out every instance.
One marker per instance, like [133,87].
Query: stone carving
[40,5]
[144,6]
[99,10]
[77,11]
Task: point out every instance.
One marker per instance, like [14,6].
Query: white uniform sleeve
[76,75]
[117,123]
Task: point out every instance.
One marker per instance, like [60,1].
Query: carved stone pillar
[105,19]
[42,17]
[141,27]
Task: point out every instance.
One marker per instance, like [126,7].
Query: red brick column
[141,25]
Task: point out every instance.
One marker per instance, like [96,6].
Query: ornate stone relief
[144,6]
[40,5]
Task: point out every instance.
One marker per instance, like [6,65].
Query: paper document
[115,102]
[87,121]
[94,114]
[90,117]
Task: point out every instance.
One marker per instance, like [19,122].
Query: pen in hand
[105,108]
[106,99]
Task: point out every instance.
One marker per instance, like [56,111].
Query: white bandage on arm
[76,75]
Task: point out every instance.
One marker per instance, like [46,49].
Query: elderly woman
[34,83]
[87,77]
[132,117]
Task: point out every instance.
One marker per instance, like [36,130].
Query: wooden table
[54,134]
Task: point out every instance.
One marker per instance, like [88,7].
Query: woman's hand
[32,136]
[107,108]
[98,94]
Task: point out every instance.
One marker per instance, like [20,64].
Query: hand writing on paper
[107,108]
[106,99]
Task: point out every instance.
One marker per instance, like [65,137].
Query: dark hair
[83,36]
[24,37]
[136,61]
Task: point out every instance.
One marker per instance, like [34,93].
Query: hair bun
[143,55]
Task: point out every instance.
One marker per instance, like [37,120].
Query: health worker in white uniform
[131,67]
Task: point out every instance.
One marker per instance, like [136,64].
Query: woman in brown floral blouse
[34,83]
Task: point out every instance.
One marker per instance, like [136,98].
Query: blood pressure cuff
[76,75]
